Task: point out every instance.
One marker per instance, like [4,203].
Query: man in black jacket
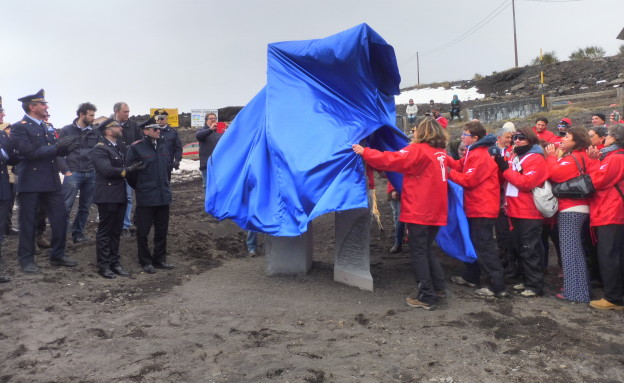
[39,182]
[208,138]
[131,133]
[8,155]
[170,138]
[110,197]
[153,196]
[78,168]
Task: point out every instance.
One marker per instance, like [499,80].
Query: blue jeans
[252,240]
[83,182]
[127,223]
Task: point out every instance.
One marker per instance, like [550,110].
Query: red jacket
[534,173]
[545,135]
[424,198]
[606,206]
[442,121]
[477,173]
[563,169]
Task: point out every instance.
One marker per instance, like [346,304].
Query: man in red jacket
[477,173]
[541,129]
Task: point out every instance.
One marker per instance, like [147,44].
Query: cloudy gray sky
[210,54]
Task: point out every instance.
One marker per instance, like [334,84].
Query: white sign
[197,116]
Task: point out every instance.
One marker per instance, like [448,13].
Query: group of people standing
[104,162]
[498,174]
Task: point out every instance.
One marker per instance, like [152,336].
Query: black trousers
[54,205]
[611,261]
[482,237]
[145,217]
[526,237]
[108,234]
[426,266]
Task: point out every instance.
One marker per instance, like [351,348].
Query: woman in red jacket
[597,136]
[424,174]
[526,170]
[573,213]
[606,215]
[477,173]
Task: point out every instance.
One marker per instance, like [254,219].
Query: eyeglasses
[212,118]
[518,137]
[161,118]
[562,126]
[466,135]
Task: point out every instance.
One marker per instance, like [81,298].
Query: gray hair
[118,105]
[508,127]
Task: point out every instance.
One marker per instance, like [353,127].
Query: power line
[466,34]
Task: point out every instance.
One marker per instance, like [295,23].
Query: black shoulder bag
[579,187]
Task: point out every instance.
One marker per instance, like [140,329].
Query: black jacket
[152,183]
[172,141]
[208,140]
[79,159]
[110,184]
[9,157]
[131,133]
[38,170]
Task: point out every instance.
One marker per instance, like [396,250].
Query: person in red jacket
[439,118]
[477,173]
[597,136]
[606,215]
[541,130]
[423,164]
[573,213]
[526,170]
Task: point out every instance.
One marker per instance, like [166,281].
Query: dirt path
[217,318]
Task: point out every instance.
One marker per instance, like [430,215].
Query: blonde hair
[429,131]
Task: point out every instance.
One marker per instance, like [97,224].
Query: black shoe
[106,273]
[119,270]
[163,265]
[63,261]
[79,238]
[126,233]
[11,231]
[149,269]
[30,268]
[395,249]
[4,279]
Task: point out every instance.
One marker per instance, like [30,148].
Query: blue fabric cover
[454,238]
[287,158]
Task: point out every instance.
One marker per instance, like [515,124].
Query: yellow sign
[172,119]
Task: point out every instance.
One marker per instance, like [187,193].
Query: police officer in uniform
[8,155]
[39,182]
[110,197]
[171,139]
[153,196]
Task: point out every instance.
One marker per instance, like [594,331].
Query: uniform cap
[109,123]
[160,113]
[37,97]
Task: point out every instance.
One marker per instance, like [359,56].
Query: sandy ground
[217,317]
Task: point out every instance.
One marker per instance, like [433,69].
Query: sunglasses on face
[518,137]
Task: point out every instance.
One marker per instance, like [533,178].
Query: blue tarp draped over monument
[287,156]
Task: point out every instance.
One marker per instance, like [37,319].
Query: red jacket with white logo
[534,173]
[478,174]
[563,169]
[606,207]
[424,198]
[545,135]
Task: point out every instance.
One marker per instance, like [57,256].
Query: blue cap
[37,97]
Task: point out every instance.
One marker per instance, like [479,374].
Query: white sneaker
[528,294]
[484,292]
[519,286]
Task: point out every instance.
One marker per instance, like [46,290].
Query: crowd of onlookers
[508,178]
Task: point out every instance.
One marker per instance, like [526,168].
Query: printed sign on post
[198,115]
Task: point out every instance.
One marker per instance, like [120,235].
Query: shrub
[478,77]
[547,58]
[621,50]
[592,52]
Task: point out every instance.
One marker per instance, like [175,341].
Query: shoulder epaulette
[23,121]
[99,143]
[136,142]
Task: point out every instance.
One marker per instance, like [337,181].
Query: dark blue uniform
[8,156]
[171,139]
[111,198]
[153,196]
[38,182]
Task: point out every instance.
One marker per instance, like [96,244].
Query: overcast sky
[212,53]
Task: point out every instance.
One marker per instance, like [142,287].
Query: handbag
[579,187]
[544,200]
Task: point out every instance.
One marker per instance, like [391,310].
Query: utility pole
[513,8]
[418,68]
